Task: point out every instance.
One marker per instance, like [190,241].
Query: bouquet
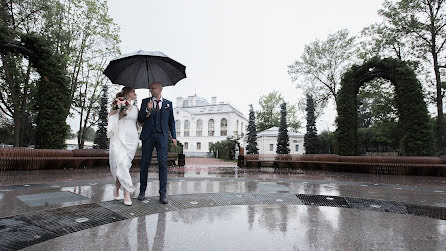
[121,104]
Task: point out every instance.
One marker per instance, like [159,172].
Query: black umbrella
[141,68]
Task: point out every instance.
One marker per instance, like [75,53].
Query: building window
[186,128]
[178,128]
[297,147]
[198,145]
[242,129]
[199,127]
[223,127]
[186,145]
[210,145]
[211,108]
[211,127]
[203,109]
[271,147]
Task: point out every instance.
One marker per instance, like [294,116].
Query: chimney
[179,102]
[214,100]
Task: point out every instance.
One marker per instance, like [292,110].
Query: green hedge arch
[412,111]
[52,99]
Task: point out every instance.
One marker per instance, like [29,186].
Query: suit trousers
[160,143]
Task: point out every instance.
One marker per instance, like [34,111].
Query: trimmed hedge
[417,137]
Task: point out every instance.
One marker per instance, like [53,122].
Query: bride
[123,143]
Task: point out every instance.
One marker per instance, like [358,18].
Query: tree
[17,85]
[101,140]
[251,148]
[224,149]
[81,31]
[311,142]
[269,114]
[327,142]
[423,22]
[283,141]
[320,67]
[89,134]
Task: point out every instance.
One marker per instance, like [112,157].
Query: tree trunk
[440,117]
[15,102]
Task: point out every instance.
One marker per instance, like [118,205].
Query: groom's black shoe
[141,196]
[163,199]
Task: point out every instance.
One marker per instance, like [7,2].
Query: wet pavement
[215,205]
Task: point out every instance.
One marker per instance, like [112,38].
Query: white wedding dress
[123,144]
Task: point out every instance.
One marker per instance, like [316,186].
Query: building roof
[274,132]
[212,109]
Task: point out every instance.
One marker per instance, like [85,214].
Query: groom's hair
[156,83]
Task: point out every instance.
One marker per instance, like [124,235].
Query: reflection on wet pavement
[259,227]
[255,227]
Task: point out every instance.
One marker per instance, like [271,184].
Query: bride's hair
[125,90]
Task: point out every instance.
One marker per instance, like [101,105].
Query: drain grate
[228,199]
[323,200]
[44,199]
[377,205]
[138,208]
[16,234]
[71,219]
[429,211]
[279,198]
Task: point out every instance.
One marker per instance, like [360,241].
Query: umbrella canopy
[141,68]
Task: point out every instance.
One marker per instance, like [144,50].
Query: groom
[157,115]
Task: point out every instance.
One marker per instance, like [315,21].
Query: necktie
[158,104]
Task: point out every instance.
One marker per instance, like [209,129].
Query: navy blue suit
[155,133]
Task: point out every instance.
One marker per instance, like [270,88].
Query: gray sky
[236,50]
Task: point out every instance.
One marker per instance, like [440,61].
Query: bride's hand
[122,114]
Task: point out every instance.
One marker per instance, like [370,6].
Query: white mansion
[199,124]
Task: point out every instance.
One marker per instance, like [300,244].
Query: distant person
[123,142]
[157,115]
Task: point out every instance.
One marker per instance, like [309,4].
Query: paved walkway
[216,206]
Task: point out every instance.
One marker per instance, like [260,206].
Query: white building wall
[181,115]
[263,143]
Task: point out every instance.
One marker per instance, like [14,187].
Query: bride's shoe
[129,202]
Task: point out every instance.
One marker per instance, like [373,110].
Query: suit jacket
[166,116]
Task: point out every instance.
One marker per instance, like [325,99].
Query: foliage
[318,72]
[422,24]
[101,140]
[5,136]
[224,149]
[283,141]
[251,148]
[269,114]
[81,32]
[311,142]
[327,142]
[412,111]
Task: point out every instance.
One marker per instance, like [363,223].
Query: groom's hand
[150,105]
[174,142]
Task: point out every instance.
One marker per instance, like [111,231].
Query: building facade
[199,124]
[267,141]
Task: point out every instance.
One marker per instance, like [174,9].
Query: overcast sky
[236,50]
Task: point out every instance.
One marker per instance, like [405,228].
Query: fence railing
[435,166]
[18,158]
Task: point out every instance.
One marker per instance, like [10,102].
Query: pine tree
[283,139]
[311,142]
[251,148]
[101,141]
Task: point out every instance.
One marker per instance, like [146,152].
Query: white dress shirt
[155,103]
